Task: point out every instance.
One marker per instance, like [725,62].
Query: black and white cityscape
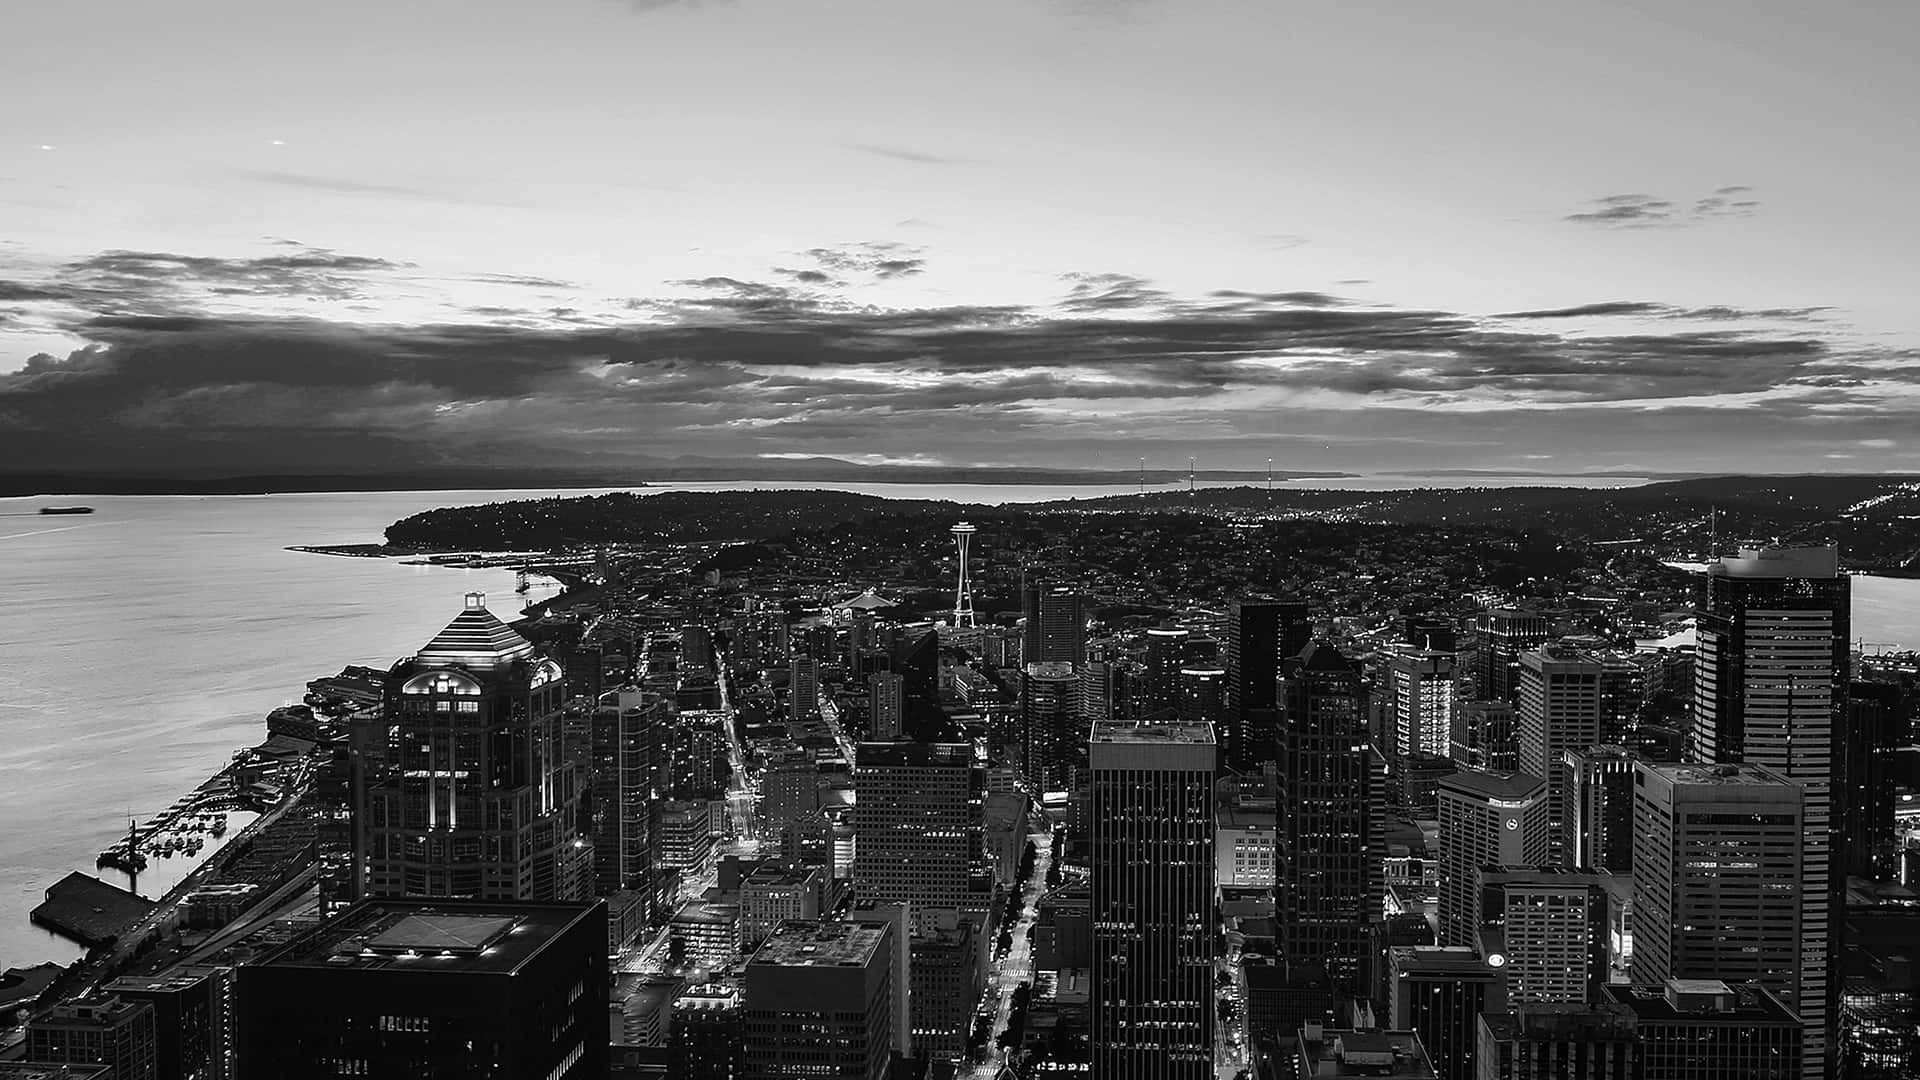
[1016,540]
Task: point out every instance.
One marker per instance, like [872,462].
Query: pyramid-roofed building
[476,638]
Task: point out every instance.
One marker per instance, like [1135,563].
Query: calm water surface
[140,646]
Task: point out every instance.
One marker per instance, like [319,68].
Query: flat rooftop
[1438,960]
[437,935]
[28,1070]
[825,944]
[1384,1055]
[1120,731]
[1491,785]
[1720,775]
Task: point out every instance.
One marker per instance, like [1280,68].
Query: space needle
[963,589]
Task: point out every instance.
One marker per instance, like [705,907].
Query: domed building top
[476,639]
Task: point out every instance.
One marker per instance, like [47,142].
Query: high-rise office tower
[1706,1029]
[696,647]
[1331,800]
[819,1001]
[1203,697]
[1260,633]
[948,972]
[917,826]
[1152,986]
[1056,624]
[1506,633]
[1560,710]
[1770,688]
[1439,993]
[1483,736]
[1564,1041]
[460,784]
[1098,692]
[708,1033]
[1421,688]
[1600,802]
[629,737]
[884,689]
[803,687]
[1486,819]
[432,989]
[1718,875]
[1547,930]
[1879,723]
[192,1020]
[1165,655]
[1052,732]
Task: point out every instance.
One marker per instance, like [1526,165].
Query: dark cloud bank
[738,367]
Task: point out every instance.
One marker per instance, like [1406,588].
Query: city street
[1017,966]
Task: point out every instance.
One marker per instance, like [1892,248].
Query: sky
[1366,236]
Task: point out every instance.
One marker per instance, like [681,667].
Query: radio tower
[963,589]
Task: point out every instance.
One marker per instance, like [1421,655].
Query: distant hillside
[548,524]
[1874,519]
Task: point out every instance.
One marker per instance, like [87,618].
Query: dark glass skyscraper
[1152,905]
[1056,628]
[1331,801]
[460,785]
[1260,633]
[1770,688]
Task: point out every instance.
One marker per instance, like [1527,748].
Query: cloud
[664,5]
[1627,212]
[732,365]
[1611,307]
[883,260]
[902,153]
[1640,211]
[1279,241]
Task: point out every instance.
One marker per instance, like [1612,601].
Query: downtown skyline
[1060,234]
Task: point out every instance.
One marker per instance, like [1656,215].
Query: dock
[82,908]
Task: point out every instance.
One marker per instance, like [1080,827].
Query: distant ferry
[66,509]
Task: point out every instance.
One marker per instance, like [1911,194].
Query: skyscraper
[629,737]
[1546,929]
[1056,623]
[916,825]
[1560,710]
[1600,802]
[803,687]
[885,703]
[1421,685]
[1718,876]
[1165,655]
[1483,736]
[1506,633]
[1152,989]
[430,989]
[1879,721]
[1260,633]
[819,1001]
[1331,799]
[1052,732]
[1770,688]
[1439,992]
[1486,819]
[460,785]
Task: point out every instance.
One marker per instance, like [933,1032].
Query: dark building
[413,990]
[708,1033]
[1770,688]
[1600,805]
[193,1037]
[1053,735]
[629,738]
[114,1032]
[1282,998]
[1056,624]
[1704,1029]
[1165,654]
[1439,994]
[1879,722]
[917,820]
[1259,634]
[1153,885]
[1330,800]
[461,787]
[1484,736]
[819,1001]
[1505,634]
[948,971]
[1564,1041]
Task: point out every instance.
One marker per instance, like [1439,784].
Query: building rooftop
[1489,785]
[1438,960]
[476,638]
[30,1070]
[1717,775]
[1120,731]
[821,944]
[1775,562]
[1384,1055]
[467,936]
[1702,1000]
